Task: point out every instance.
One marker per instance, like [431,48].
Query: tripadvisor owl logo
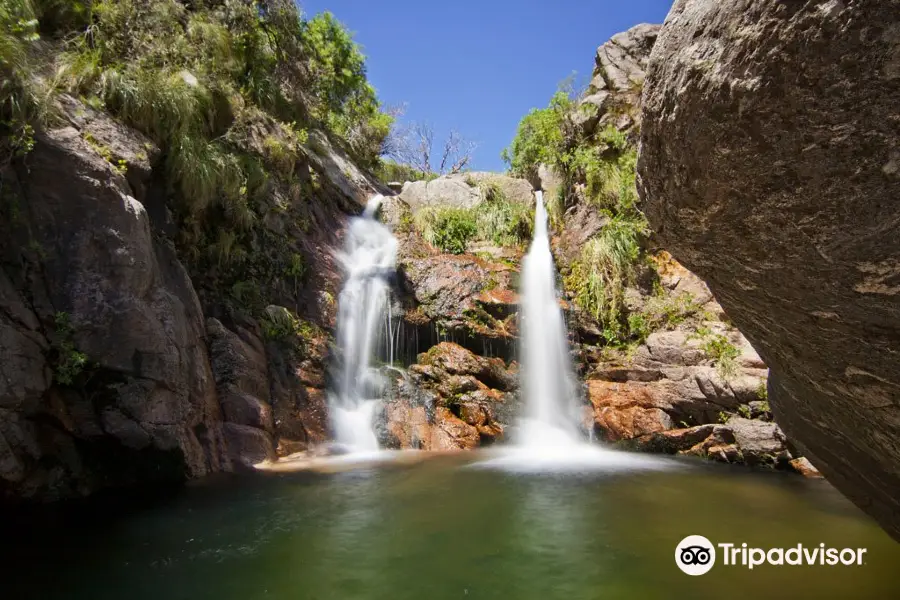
[696,555]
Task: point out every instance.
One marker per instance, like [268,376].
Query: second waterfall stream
[369,260]
[547,377]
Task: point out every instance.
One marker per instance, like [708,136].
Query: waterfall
[547,376]
[368,259]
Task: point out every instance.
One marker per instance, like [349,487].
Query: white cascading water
[369,260]
[548,379]
[549,437]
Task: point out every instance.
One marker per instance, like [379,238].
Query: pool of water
[438,528]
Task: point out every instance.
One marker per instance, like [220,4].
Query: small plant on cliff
[447,228]
[278,323]
[723,353]
[69,362]
[500,220]
[607,264]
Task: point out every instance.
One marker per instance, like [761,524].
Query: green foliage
[501,220]
[744,411]
[762,392]
[607,264]
[540,137]
[448,228]
[667,311]
[69,363]
[496,219]
[723,353]
[280,324]
[23,97]
[187,74]
[389,171]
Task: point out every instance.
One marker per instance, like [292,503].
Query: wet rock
[456,360]
[805,468]
[452,433]
[247,445]
[626,412]
[754,120]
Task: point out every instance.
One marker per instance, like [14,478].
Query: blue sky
[480,66]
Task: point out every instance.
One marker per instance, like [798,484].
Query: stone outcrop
[464,190]
[90,299]
[121,365]
[769,166]
[613,96]
[451,399]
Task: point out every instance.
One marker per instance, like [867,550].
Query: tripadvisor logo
[696,555]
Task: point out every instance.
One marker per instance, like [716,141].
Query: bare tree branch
[413,145]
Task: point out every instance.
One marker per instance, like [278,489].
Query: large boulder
[770,166]
[464,190]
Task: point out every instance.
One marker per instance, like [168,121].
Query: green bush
[23,98]
[450,229]
[723,353]
[501,220]
[540,137]
[607,264]
[69,362]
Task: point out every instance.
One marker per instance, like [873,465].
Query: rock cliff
[769,165]
[125,361]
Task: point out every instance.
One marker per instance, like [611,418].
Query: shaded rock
[760,443]
[755,120]
[131,310]
[247,445]
[244,409]
[236,362]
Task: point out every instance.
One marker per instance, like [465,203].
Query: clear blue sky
[480,65]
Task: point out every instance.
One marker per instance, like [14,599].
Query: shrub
[500,220]
[23,99]
[540,137]
[69,362]
[447,228]
[723,353]
[607,264]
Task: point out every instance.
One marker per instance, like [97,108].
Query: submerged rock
[769,166]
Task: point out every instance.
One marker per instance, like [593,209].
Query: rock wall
[115,371]
[770,166]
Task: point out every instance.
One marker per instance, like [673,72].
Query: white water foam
[369,260]
[549,438]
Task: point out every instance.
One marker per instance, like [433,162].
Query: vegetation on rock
[227,92]
[598,169]
[495,219]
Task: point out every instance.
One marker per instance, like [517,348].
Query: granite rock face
[770,166]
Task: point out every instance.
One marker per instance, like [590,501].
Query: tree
[414,145]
